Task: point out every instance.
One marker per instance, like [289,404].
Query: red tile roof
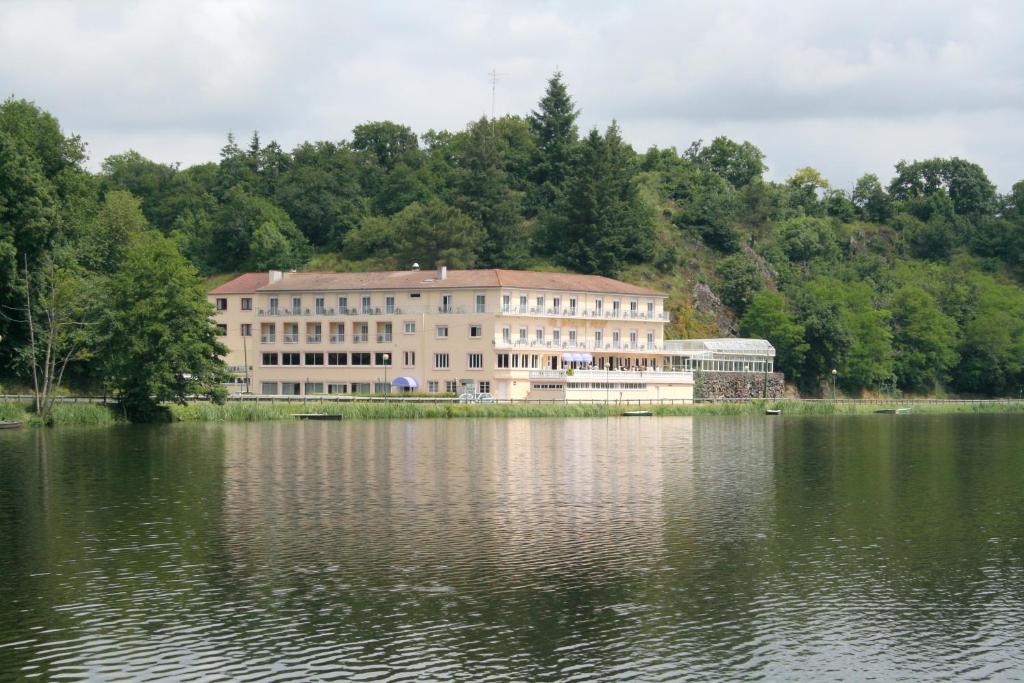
[246,283]
[427,279]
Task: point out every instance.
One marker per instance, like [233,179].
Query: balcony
[291,338]
[360,338]
[583,313]
[337,338]
[648,376]
[312,338]
[383,338]
[268,339]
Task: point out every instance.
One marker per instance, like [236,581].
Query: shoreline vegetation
[98,414]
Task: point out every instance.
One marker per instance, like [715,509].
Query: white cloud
[845,87]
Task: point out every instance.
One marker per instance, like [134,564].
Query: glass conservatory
[720,355]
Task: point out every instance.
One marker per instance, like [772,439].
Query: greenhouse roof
[728,345]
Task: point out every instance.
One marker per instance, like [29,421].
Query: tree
[55,312]
[741,280]
[768,317]
[119,221]
[600,222]
[386,143]
[740,163]
[158,341]
[320,191]
[965,183]
[807,187]
[708,204]
[924,340]
[270,248]
[871,199]
[434,233]
[553,124]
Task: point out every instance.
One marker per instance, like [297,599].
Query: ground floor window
[381,388]
[314,388]
[432,387]
[451,386]
[268,388]
[290,359]
[314,359]
[269,359]
[476,361]
[337,388]
[360,387]
[485,387]
[360,359]
[290,388]
[337,359]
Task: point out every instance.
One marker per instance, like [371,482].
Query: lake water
[703,548]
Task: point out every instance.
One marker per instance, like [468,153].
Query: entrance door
[502,390]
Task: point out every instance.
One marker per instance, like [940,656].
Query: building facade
[512,334]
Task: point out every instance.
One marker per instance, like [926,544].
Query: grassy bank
[263,411]
[63,415]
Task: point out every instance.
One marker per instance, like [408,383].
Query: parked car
[468,397]
[484,398]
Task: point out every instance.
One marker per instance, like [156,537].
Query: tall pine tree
[554,126]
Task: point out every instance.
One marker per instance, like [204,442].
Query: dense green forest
[911,285]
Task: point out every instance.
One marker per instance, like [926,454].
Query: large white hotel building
[513,334]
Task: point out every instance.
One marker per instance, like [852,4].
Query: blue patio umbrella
[404,382]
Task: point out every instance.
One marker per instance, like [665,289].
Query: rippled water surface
[710,548]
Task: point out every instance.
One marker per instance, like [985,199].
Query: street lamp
[834,373]
[387,387]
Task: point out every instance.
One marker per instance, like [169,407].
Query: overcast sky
[847,87]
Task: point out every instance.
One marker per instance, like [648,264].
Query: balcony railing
[268,339]
[312,338]
[383,338]
[360,338]
[649,376]
[337,338]
[583,313]
[291,339]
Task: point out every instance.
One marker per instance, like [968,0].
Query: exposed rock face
[738,385]
[706,301]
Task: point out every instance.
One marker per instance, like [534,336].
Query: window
[634,306]
[290,388]
[556,336]
[481,303]
[598,337]
[314,359]
[502,360]
[268,333]
[222,304]
[246,304]
[650,339]
[410,327]
[389,304]
[382,359]
[432,386]
[523,302]
[650,308]
[615,307]
[615,337]
[485,387]
[523,333]
[442,331]
[381,388]
[540,334]
[360,359]
[540,304]
[572,305]
[268,388]
[366,304]
[632,338]
[446,303]
[441,361]
[572,336]
[337,359]
[534,360]
[599,306]
[246,330]
[337,388]
[515,360]
[290,359]
[476,361]
[506,334]
[409,359]
[270,359]
[360,387]
[342,304]
[321,308]
[476,331]
[314,388]
[506,303]
[414,295]
[273,305]
[222,330]
[451,386]
[296,305]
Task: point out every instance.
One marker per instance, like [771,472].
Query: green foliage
[707,205]
[964,182]
[924,340]
[553,125]
[741,280]
[158,343]
[768,317]
[738,163]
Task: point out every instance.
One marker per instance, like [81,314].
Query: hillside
[910,284]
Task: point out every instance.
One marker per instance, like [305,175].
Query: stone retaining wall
[737,385]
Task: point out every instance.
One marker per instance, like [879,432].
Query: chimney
[442,272]
[276,275]
[416,266]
